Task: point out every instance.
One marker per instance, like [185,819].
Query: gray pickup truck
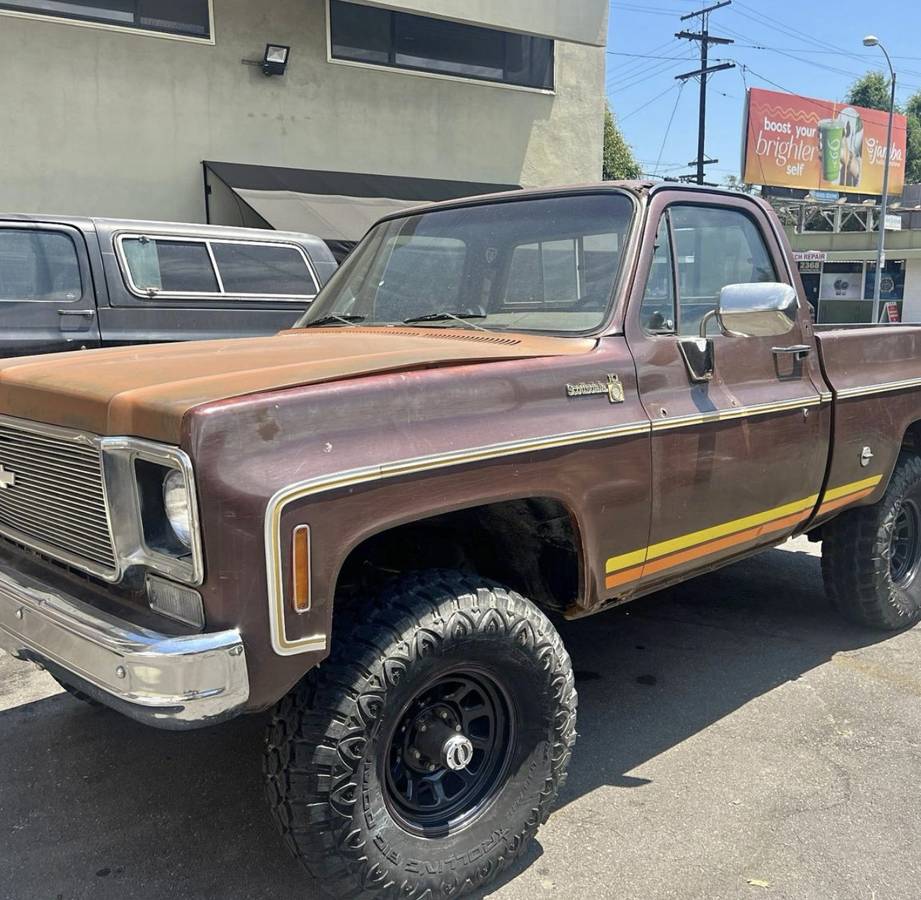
[77,283]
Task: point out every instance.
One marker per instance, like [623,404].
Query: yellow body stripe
[706,535]
[835,493]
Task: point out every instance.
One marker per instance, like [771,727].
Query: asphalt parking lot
[736,740]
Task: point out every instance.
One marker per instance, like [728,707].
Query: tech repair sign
[800,142]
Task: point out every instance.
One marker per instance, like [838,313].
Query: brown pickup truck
[499,412]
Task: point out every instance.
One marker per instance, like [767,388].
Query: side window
[263,269]
[714,247]
[38,266]
[170,266]
[658,310]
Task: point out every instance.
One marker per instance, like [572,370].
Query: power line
[641,77]
[668,128]
[648,56]
[651,100]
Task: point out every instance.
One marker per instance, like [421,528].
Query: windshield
[548,264]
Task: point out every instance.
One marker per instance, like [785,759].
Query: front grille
[52,497]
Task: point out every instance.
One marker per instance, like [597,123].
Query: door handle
[799,351]
[83,313]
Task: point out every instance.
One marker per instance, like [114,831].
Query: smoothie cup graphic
[831,135]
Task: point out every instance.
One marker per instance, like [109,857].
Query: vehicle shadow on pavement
[93,804]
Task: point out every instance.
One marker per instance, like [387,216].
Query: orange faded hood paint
[146,391]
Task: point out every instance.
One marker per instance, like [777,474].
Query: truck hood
[146,391]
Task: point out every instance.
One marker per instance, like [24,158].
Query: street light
[871,40]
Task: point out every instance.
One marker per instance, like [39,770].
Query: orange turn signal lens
[300,568]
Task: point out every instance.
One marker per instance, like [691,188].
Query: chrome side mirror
[765,309]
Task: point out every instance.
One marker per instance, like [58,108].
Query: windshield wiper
[448,317]
[333,319]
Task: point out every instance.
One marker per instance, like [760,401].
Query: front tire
[425,752]
[871,556]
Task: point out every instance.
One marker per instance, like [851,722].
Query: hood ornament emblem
[7,478]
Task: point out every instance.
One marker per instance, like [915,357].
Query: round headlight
[176,504]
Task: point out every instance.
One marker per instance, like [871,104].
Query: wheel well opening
[912,439]
[530,545]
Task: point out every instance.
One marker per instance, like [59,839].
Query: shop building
[835,248]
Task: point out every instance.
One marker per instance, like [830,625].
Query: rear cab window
[162,266]
[38,266]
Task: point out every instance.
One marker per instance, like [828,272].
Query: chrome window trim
[220,294]
[122,506]
[123,29]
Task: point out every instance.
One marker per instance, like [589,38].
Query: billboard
[798,142]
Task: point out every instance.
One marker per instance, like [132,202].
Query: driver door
[737,460]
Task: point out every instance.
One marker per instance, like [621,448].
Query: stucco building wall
[109,123]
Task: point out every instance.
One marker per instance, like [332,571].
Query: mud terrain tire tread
[317,732]
[854,566]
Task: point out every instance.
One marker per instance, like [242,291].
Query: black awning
[338,207]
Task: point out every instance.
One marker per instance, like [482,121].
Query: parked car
[70,283]
[499,412]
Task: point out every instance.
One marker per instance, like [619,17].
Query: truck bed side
[875,377]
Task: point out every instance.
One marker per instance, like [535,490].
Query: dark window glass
[38,265]
[360,33]
[406,41]
[170,266]
[263,269]
[189,17]
[714,247]
[658,310]
[186,17]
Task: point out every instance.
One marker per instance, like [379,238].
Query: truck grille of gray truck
[52,497]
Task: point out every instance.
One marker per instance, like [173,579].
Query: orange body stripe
[844,501]
[707,548]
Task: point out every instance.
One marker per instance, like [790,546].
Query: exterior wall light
[275,60]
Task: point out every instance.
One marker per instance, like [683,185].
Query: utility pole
[706,39]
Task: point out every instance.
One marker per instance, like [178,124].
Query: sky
[812,47]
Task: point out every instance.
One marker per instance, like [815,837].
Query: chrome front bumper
[170,682]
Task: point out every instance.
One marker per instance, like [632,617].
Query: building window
[187,18]
[381,37]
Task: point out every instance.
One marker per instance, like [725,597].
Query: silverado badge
[612,387]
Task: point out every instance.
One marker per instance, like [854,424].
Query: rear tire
[449,680]
[871,556]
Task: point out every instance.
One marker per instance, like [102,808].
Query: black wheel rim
[904,544]
[423,789]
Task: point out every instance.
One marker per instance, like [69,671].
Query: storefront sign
[892,312]
[810,256]
[799,142]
